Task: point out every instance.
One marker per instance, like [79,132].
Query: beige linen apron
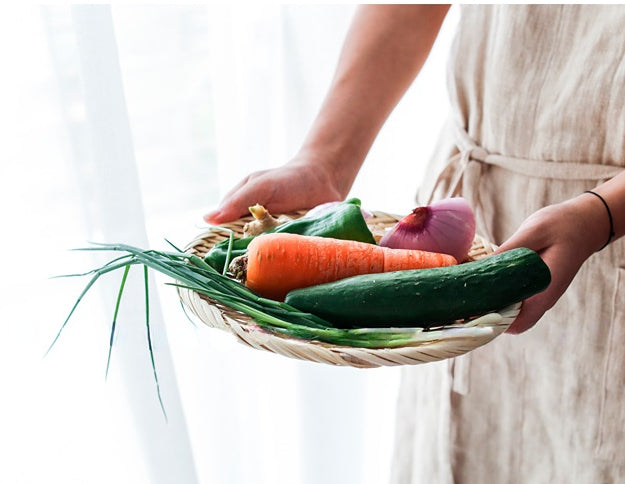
[538,116]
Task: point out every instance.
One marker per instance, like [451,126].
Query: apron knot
[475,153]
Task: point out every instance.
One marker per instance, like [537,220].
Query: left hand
[564,235]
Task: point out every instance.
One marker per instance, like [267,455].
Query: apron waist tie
[472,157]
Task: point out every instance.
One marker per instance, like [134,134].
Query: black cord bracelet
[609,216]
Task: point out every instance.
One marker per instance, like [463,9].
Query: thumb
[512,243]
[521,238]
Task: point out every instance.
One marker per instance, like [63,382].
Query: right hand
[300,184]
[384,50]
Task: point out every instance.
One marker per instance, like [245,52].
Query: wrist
[611,233]
[338,166]
[594,220]
[613,192]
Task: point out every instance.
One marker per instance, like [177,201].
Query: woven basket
[449,342]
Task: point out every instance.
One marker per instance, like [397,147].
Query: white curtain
[125,124]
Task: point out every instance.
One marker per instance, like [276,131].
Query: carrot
[280,262]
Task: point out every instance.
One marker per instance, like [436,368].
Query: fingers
[223,215]
[563,266]
[532,310]
[237,201]
[524,238]
[229,209]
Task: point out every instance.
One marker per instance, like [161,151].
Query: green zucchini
[426,297]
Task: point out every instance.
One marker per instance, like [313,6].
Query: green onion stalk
[191,272]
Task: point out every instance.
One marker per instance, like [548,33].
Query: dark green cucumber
[427,297]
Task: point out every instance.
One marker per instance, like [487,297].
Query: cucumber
[426,297]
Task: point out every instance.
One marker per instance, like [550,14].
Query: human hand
[300,184]
[564,235]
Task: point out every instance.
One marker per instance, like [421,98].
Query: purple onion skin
[446,226]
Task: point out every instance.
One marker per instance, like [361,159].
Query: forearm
[385,48]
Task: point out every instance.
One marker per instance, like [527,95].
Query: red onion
[446,226]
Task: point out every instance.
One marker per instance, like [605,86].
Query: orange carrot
[280,262]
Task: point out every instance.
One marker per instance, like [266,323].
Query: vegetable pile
[323,277]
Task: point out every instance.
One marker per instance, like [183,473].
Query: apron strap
[534,168]
[471,158]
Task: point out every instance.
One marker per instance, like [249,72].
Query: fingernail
[212,217]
